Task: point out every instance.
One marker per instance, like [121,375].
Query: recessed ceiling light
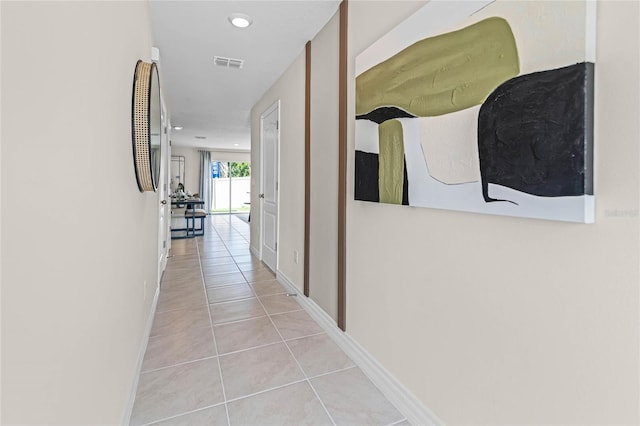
[240,20]
[236,144]
[177,127]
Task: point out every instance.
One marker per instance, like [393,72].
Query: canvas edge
[404,401]
[590,53]
[591,21]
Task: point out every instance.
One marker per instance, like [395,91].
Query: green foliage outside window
[240,169]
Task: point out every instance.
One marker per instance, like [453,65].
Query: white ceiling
[216,102]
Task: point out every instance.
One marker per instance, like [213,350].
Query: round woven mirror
[146,125]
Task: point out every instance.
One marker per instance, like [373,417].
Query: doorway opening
[230,188]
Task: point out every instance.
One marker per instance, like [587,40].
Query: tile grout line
[267,390]
[398,422]
[227,248]
[213,274]
[177,364]
[185,309]
[263,281]
[191,361]
[304,373]
[339,370]
[285,312]
[266,344]
[178,332]
[244,319]
[240,320]
[226,285]
[183,414]
[272,294]
[229,285]
[180,309]
[251,348]
[213,336]
[215,229]
[236,229]
[239,299]
[226,302]
[304,337]
[306,377]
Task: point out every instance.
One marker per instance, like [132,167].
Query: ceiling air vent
[200,137]
[221,61]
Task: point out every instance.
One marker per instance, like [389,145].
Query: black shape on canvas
[405,185]
[382,114]
[366,177]
[535,133]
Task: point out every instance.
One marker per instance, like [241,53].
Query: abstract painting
[483,106]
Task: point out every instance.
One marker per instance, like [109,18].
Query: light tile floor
[228,346]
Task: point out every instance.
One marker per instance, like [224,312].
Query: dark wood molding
[307,164]
[342,167]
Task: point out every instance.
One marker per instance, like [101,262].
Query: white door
[269,195]
[163,196]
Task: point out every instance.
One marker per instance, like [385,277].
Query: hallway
[229,346]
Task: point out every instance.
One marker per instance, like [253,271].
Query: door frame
[164,245]
[265,113]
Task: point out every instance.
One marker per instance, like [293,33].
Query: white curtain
[205,179]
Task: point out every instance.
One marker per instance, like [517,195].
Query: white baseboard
[254,251]
[405,401]
[143,348]
[280,276]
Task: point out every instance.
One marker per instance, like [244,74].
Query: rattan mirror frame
[142,107]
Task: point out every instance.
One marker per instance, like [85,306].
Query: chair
[176,215]
[190,230]
[191,215]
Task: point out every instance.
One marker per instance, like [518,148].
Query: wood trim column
[342,167]
[307,164]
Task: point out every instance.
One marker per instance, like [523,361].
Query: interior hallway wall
[191,167]
[79,241]
[324,168]
[323,237]
[487,319]
[499,320]
[289,89]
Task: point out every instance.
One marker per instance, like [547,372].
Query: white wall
[498,320]
[191,167]
[289,89]
[74,262]
[323,236]
[324,169]
[223,156]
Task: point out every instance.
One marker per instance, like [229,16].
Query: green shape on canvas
[442,74]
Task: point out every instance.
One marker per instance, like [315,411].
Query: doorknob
[163,202]
[260,195]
